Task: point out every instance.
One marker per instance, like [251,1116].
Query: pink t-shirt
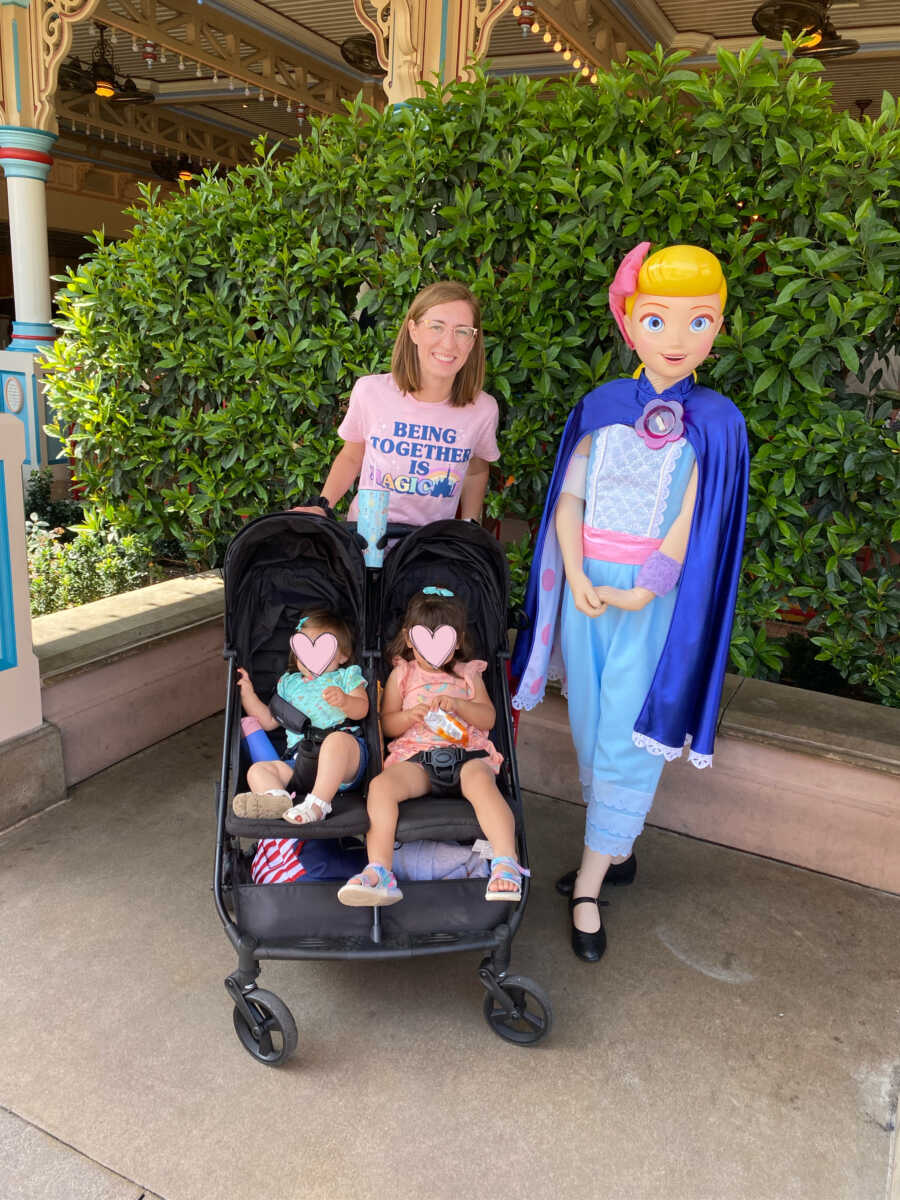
[419,452]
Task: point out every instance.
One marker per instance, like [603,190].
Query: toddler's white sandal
[311,810]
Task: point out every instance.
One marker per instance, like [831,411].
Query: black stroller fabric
[274,568]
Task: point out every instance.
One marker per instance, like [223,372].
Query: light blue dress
[611,659]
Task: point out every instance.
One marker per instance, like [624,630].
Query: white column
[30,257]
[26,163]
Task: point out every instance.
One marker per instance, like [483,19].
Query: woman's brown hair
[321,620]
[405,359]
[432,612]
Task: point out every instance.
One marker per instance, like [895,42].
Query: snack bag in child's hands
[448,727]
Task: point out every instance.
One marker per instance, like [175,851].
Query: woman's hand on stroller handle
[319,507]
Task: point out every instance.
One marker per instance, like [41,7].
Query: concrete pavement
[740,1039]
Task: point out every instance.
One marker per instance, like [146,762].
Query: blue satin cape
[683,701]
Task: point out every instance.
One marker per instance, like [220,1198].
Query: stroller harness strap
[443,765]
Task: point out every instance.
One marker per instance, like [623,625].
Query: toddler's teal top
[306,694]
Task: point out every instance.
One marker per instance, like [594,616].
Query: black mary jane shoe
[589,947]
[619,875]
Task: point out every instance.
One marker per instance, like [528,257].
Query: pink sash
[610,546]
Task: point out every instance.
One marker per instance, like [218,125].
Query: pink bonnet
[625,285]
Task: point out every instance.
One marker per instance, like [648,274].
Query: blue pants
[610,662]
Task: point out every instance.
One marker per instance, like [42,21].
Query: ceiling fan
[806,19]
[101,78]
[360,52]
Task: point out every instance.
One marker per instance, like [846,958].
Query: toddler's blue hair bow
[436,591]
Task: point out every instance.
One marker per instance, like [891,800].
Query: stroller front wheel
[272,1036]
[525,1016]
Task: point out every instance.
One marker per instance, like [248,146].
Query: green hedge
[65,572]
[207,358]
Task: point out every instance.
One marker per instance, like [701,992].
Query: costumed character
[635,573]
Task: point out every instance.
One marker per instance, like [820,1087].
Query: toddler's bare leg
[265,776]
[477,783]
[387,791]
[338,763]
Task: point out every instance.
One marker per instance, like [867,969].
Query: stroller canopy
[455,555]
[276,567]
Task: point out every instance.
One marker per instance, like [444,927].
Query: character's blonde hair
[679,271]
[405,359]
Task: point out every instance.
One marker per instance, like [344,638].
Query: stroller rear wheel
[272,1036]
[518,1010]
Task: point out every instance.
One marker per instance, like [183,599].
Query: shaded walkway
[741,1038]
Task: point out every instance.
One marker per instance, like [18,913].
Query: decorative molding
[117,184]
[157,128]
[601,38]
[49,42]
[486,16]
[378,24]
[233,49]
[413,42]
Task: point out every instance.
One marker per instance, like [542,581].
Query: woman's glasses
[463,333]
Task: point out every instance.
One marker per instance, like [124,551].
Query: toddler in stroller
[434,672]
[317,699]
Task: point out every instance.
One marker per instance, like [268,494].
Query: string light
[526,16]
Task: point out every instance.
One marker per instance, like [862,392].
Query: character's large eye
[653,323]
[700,323]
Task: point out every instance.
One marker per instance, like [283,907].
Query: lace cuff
[659,574]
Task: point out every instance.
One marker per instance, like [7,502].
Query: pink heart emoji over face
[435,647]
[315,654]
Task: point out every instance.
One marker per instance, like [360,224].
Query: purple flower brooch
[660,423]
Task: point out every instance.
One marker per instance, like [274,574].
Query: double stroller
[276,567]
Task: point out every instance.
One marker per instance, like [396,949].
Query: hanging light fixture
[103,72]
[148,54]
[526,15]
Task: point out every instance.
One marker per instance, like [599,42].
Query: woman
[645,519]
[425,432]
